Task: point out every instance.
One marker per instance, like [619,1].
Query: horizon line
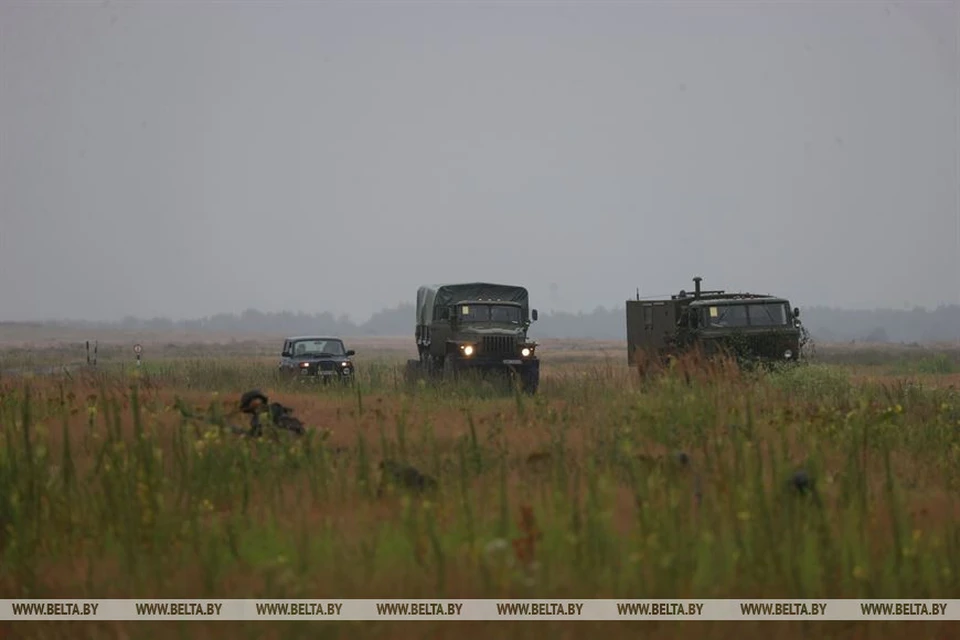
[339,316]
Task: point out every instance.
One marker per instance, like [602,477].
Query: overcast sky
[183,159]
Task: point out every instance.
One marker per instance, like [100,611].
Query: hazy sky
[188,158]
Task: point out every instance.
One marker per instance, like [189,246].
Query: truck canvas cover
[441,295]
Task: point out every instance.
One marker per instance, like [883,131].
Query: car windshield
[490,313]
[765,314]
[317,347]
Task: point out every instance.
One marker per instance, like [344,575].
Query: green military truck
[476,327]
[752,328]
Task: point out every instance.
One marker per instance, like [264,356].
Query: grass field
[122,482]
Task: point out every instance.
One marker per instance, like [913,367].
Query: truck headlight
[304,364]
[525,352]
[468,350]
[788,354]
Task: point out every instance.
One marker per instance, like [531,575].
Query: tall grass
[117,485]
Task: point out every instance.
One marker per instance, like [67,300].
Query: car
[317,358]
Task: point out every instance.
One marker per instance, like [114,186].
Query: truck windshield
[489,313]
[765,314]
[775,314]
[317,347]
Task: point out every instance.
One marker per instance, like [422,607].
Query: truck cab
[483,331]
[477,327]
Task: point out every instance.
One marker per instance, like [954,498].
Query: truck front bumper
[495,364]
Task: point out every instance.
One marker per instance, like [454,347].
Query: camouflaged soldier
[404,477]
[256,404]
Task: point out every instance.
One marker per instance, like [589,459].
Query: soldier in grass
[403,477]
[257,405]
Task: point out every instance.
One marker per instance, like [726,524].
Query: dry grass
[152,499]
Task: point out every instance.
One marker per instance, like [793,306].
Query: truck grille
[769,345]
[499,345]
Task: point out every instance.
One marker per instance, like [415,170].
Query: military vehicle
[752,328]
[317,358]
[477,327]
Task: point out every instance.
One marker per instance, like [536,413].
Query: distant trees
[825,324]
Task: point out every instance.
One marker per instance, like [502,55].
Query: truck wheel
[413,371]
[530,379]
[430,367]
[449,369]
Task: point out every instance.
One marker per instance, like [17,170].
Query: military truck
[476,327]
[752,328]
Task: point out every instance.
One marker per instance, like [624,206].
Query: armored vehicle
[317,358]
[479,327]
[750,327]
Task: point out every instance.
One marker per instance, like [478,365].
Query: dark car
[317,358]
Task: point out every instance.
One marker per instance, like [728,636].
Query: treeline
[825,324]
